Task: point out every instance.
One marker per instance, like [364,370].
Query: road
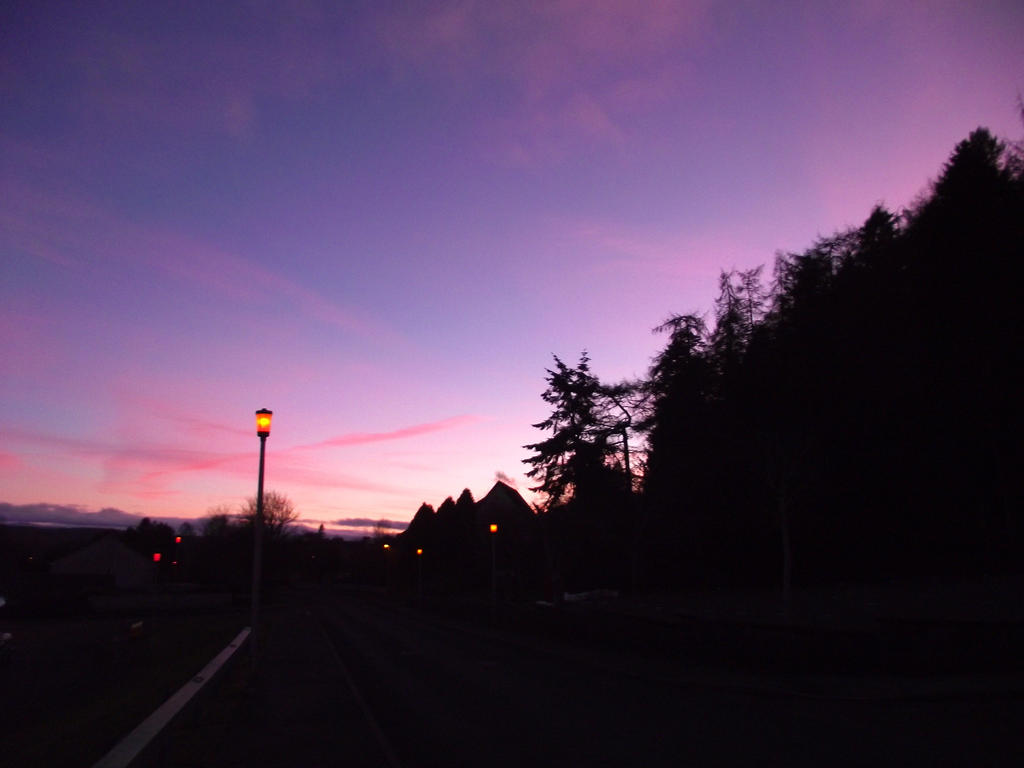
[439,692]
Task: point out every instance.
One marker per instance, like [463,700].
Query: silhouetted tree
[729,338]
[626,407]
[623,407]
[578,443]
[680,386]
[586,491]
[149,537]
[859,419]
[279,513]
[217,521]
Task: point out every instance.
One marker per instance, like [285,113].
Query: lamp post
[419,573]
[494,573]
[263,417]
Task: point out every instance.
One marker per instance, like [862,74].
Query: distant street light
[177,552]
[494,573]
[419,573]
[263,417]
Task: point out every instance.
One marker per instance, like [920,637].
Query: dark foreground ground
[71,685]
[355,679]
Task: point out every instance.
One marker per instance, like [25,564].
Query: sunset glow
[382,221]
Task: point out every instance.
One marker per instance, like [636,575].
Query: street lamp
[263,417]
[494,572]
[419,573]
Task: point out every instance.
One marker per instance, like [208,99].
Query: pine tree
[578,444]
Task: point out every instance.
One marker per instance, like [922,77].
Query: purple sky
[380,220]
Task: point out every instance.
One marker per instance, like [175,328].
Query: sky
[380,220]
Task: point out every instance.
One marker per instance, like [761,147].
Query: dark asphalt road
[449,694]
[358,680]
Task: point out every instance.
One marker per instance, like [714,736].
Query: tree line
[217,551]
[853,416]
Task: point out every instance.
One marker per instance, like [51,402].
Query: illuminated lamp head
[156,557]
[263,417]
[419,551]
[494,527]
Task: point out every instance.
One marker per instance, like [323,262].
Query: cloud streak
[77,516]
[68,231]
[152,471]
[366,522]
[417,430]
[71,515]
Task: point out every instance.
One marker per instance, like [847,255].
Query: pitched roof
[503,505]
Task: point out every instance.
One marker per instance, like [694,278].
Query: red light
[177,539]
[156,557]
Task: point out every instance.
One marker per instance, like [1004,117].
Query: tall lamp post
[263,417]
[419,574]
[494,573]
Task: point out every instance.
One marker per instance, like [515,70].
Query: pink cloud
[41,223]
[586,115]
[65,229]
[364,438]
[174,461]
[133,473]
[9,461]
[129,474]
[150,470]
[681,255]
[30,344]
[203,429]
[138,468]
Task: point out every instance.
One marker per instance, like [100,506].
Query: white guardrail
[146,734]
